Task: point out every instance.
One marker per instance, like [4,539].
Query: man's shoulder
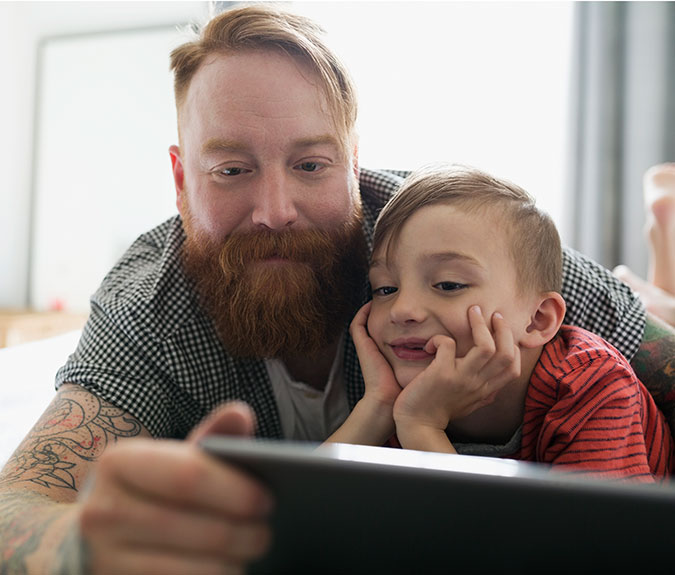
[147,285]
[377,186]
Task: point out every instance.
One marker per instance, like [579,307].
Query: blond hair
[534,240]
[260,27]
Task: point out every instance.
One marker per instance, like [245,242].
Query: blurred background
[571,100]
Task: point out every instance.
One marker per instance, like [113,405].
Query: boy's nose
[274,206]
[407,308]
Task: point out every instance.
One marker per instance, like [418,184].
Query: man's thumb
[232,418]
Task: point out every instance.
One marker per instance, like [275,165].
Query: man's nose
[408,307]
[274,202]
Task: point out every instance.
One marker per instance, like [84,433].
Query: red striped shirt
[587,411]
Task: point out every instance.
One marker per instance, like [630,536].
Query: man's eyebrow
[222,145]
[214,145]
[325,139]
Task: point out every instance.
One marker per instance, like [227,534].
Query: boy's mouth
[411,349]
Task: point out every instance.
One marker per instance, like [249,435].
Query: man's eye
[309,166]
[231,171]
[385,290]
[450,286]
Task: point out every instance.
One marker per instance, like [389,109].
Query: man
[266,261]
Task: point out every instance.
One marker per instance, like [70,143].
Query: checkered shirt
[149,349]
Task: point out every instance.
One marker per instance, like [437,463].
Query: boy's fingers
[484,343]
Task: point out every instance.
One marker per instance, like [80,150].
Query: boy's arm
[572,433]
[654,364]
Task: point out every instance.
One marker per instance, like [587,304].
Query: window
[479,83]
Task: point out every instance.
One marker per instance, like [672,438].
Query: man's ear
[545,321]
[178,175]
[355,159]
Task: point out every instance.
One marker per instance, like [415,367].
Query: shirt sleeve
[608,426]
[600,303]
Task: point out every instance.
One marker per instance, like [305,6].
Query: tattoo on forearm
[72,557]
[654,363]
[76,426]
[23,529]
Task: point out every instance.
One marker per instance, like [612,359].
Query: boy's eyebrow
[451,256]
[433,257]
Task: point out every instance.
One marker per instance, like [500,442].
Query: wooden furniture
[21,326]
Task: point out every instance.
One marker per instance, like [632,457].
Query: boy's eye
[384,290]
[449,286]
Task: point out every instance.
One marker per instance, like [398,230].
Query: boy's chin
[406,374]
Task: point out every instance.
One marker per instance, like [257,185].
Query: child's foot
[657,301]
[659,196]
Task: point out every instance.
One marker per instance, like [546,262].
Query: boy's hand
[381,385]
[452,387]
[371,422]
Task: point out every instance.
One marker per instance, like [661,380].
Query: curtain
[623,121]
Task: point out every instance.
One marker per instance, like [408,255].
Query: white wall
[22,26]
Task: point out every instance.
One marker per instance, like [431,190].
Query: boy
[463,341]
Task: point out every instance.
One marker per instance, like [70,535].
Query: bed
[27,385]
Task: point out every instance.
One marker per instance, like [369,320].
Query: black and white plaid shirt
[150,350]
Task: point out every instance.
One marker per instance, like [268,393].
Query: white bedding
[27,385]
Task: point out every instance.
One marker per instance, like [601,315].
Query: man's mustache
[239,250]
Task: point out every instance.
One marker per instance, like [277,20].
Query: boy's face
[444,262]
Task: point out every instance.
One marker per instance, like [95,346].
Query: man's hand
[167,507]
[452,387]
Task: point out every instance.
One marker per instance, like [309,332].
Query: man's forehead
[241,72]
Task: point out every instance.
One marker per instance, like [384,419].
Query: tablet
[355,509]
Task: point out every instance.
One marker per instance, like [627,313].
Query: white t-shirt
[307,413]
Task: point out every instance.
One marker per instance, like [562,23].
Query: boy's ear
[545,321]
[178,174]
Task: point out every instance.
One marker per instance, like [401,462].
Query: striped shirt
[586,411]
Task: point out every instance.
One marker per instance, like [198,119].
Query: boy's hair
[534,241]
[259,27]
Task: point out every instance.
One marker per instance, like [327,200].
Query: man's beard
[295,304]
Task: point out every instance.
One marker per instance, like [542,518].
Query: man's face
[444,261]
[270,205]
[259,150]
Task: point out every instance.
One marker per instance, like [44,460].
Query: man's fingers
[180,474]
[137,561]
[158,526]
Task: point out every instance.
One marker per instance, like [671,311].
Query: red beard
[279,294]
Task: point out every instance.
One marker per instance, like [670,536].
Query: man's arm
[654,364]
[150,507]
[48,470]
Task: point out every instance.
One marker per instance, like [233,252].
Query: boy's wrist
[369,423]
[413,434]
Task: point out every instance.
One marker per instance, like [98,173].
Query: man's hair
[534,241]
[259,27]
